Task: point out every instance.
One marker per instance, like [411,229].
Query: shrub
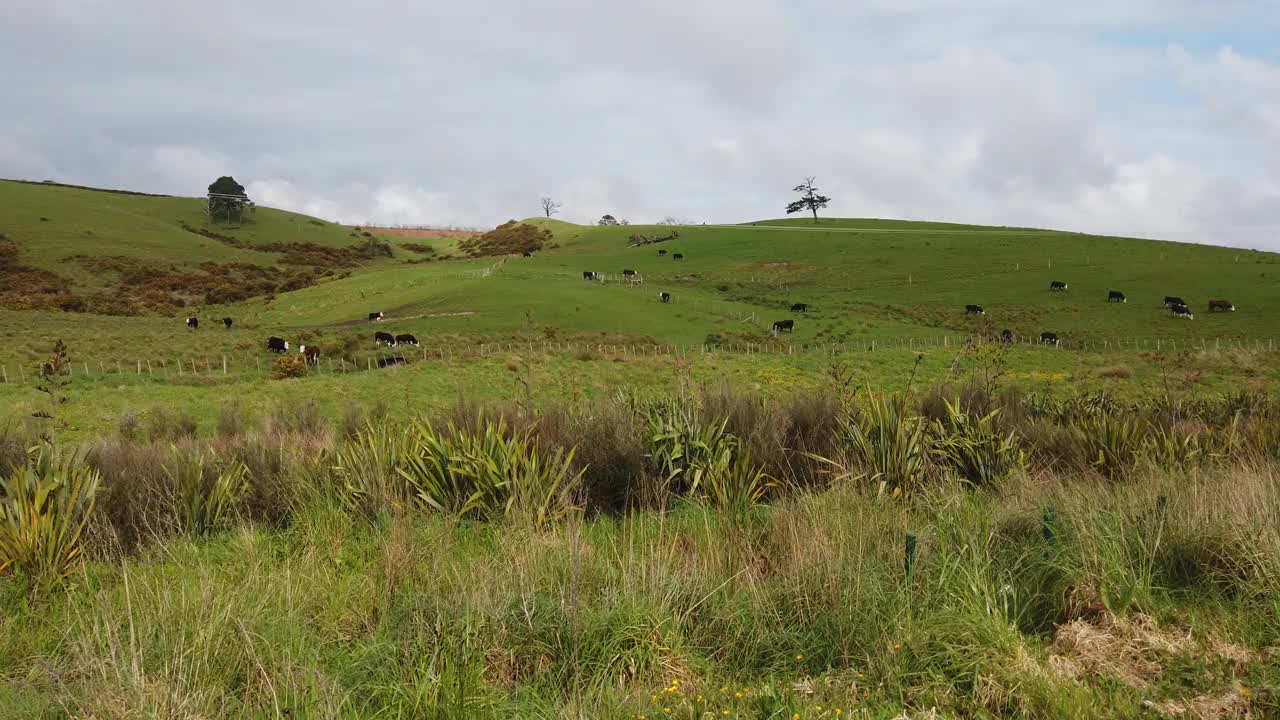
[45,506]
[129,425]
[509,238]
[291,365]
[367,470]
[888,443]
[974,448]
[682,446]
[168,425]
[205,497]
[1111,443]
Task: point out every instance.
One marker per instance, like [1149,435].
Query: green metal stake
[1050,515]
[1162,506]
[910,553]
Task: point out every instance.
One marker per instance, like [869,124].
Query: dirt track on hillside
[415,233]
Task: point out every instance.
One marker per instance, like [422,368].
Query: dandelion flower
[1244,692]
[738,695]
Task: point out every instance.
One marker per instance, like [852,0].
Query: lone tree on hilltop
[227,200]
[550,207]
[607,220]
[809,200]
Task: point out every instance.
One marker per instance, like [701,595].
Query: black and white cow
[310,353]
[799,307]
[383,338]
[1058,285]
[677,256]
[588,275]
[784,326]
[1221,306]
[392,361]
[1049,338]
[375,316]
[662,252]
[1182,311]
[628,273]
[406,339]
[1116,296]
[1006,336]
[193,323]
[1171,300]
[227,322]
[974,310]
[279,345]
[664,297]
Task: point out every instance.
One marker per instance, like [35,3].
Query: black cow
[384,339]
[799,307]
[662,252]
[390,361]
[1057,285]
[275,344]
[628,273]
[1006,336]
[784,325]
[1049,338]
[677,256]
[375,316]
[1116,296]
[227,322]
[664,297]
[526,254]
[1170,301]
[1221,305]
[193,323]
[406,339]
[974,310]
[1183,312]
[310,353]
[588,275]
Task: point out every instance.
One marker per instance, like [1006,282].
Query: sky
[1151,118]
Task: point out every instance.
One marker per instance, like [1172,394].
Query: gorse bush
[45,507]
[292,365]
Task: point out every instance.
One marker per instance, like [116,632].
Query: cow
[1116,296]
[799,307]
[310,353]
[974,310]
[1183,312]
[406,339]
[375,316]
[1170,301]
[664,297]
[784,325]
[383,338]
[662,252]
[1006,336]
[588,275]
[628,273]
[1049,338]
[278,345]
[677,256]
[391,361]
[193,323]
[526,254]
[1058,285]
[227,322]
[1221,306]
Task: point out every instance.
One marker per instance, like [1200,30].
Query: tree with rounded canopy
[227,199]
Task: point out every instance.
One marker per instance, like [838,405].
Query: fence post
[909,559]
[119,371]
[22,374]
[224,364]
[149,368]
[6,374]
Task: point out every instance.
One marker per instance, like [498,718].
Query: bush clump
[509,238]
[290,366]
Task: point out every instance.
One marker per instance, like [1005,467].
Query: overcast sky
[1158,118]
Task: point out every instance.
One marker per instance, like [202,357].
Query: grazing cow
[784,325]
[628,273]
[1170,301]
[375,316]
[227,322]
[279,345]
[1006,336]
[193,323]
[677,256]
[799,307]
[526,254]
[1058,285]
[1116,296]
[662,252]
[588,275]
[1183,312]
[1221,306]
[664,297]
[310,353]
[390,361]
[1049,338]
[383,338]
[406,339]
[974,310]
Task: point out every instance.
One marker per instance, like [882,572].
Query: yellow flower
[897,646]
[675,683]
[1244,692]
[737,695]
[796,716]
[724,712]
[897,492]
[839,712]
[666,710]
[799,658]
[817,708]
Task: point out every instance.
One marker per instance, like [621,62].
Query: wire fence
[184,369]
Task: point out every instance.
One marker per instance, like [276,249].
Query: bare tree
[809,200]
[549,206]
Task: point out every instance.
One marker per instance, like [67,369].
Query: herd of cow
[312,353]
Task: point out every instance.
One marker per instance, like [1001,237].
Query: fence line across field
[226,365]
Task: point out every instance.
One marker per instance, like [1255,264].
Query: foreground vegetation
[833,553]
